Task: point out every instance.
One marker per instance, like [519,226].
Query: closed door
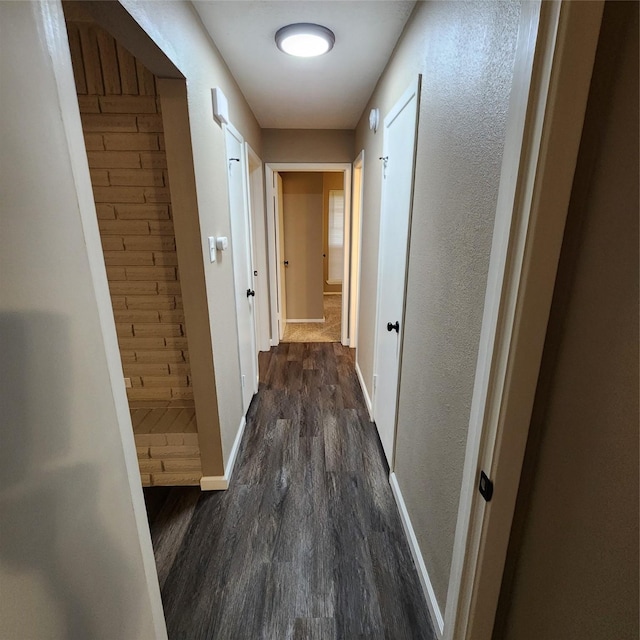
[397,188]
[242,266]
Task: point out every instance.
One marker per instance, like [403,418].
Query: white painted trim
[272,254]
[532,207]
[354,309]
[221,483]
[304,320]
[365,393]
[423,574]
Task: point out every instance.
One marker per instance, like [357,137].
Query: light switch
[212,249]
[222,243]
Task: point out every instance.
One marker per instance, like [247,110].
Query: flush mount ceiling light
[305,40]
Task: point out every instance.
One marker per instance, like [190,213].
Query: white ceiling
[329,92]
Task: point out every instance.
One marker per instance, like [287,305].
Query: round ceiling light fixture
[305,40]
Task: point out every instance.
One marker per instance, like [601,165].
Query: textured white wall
[177,30]
[75,552]
[465,51]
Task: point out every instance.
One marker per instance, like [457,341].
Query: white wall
[75,552]
[177,31]
[573,554]
[465,51]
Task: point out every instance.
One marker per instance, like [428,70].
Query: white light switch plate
[212,249]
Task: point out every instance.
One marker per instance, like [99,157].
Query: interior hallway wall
[572,569]
[302,201]
[307,145]
[177,30]
[465,53]
[75,552]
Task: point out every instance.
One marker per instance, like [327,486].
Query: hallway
[307,542]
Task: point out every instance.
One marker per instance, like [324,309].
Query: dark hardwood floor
[307,543]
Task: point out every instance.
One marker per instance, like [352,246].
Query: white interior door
[397,188]
[242,266]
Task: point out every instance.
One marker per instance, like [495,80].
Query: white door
[397,187]
[242,267]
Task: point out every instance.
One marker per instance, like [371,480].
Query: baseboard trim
[425,581]
[365,393]
[221,483]
[303,320]
[332,293]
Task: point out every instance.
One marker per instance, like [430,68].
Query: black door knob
[286,263]
[391,327]
[250,292]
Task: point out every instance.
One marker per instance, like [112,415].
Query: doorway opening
[309,240]
[119,101]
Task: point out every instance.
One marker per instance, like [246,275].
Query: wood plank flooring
[307,542]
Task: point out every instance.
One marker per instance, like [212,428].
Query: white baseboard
[427,587]
[303,320]
[221,483]
[365,393]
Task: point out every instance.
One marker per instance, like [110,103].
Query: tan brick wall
[124,139]
[169,459]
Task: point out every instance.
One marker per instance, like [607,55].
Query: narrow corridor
[307,542]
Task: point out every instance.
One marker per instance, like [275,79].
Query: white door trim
[354,307]
[272,168]
[544,130]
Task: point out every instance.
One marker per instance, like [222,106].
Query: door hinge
[485,486]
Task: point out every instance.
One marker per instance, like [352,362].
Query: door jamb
[354,306]
[523,264]
[272,168]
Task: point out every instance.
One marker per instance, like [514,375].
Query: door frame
[412,90]
[554,62]
[271,169]
[356,242]
[229,129]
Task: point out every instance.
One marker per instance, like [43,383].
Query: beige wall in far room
[302,199]
[307,145]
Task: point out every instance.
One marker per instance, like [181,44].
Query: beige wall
[302,203]
[573,560]
[125,147]
[331,181]
[465,51]
[177,31]
[307,145]
[75,552]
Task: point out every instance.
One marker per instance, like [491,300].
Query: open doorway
[120,107]
[311,229]
[309,219]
